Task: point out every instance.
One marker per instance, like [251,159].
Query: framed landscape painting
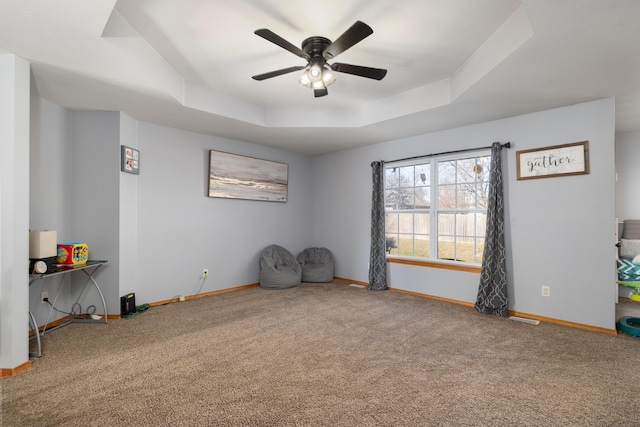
[232,176]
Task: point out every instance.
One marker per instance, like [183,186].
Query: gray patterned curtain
[492,292]
[377,257]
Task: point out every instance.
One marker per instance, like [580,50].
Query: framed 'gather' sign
[558,160]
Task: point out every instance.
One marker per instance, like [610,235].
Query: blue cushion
[627,270]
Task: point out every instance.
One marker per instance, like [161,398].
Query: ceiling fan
[317,51]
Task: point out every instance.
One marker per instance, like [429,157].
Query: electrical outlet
[182,298]
[546,291]
[44,295]
[205,273]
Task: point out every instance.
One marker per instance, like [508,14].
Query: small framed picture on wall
[129,160]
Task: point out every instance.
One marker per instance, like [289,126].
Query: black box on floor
[127,304]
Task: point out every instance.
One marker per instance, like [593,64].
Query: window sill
[437,264]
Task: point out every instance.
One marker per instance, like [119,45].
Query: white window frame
[434,209]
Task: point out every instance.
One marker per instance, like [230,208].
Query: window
[437,208]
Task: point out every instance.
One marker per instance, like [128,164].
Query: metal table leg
[34,327]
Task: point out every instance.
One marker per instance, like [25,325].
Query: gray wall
[95,198]
[14,209]
[75,191]
[560,232]
[50,167]
[182,231]
[628,173]
[627,159]
[128,214]
[50,190]
[158,230]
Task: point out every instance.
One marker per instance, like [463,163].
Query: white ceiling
[188,63]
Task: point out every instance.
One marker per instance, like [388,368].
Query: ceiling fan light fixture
[304,79]
[315,72]
[317,85]
[317,77]
[327,76]
[318,74]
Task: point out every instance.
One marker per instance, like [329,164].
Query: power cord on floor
[204,279]
[182,298]
[76,309]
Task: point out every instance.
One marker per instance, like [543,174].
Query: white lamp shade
[328,77]
[304,79]
[317,77]
[315,72]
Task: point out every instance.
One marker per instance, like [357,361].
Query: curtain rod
[505,145]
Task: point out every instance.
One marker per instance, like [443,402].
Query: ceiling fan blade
[276,39]
[320,92]
[278,72]
[355,34]
[358,70]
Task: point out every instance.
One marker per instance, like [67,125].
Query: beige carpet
[325,355]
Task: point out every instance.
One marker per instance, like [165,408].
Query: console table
[89,269]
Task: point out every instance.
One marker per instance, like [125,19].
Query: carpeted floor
[324,355]
[627,307]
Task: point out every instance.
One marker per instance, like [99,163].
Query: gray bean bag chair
[317,265]
[279,268]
